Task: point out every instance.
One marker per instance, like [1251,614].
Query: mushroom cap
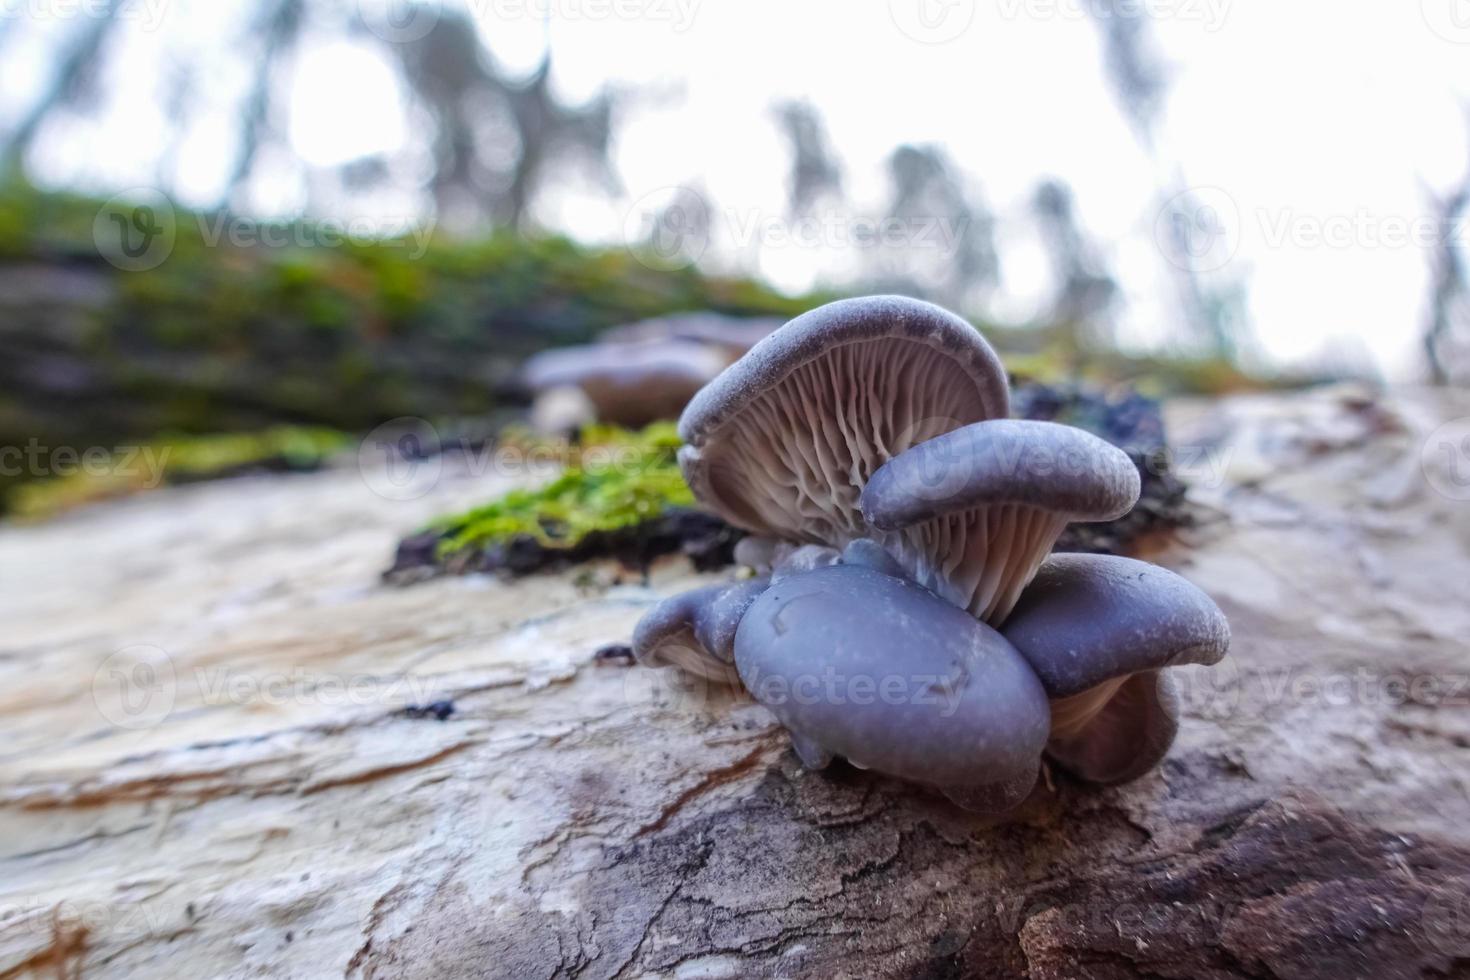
[884,672]
[695,630]
[782,442]
[1088,619]
[804,558]
[631,383]
[871,554]
[733,335]
[972,513]
[1057,468]
[1098,630]
[1128,737]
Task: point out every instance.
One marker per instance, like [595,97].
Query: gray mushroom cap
[695,630]
[1086,619]
[877,669]
[1098,630]
[973,512]
[782,442]
[631,383]
[732,335]
[871,554]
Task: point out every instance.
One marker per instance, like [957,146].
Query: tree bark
[275,795]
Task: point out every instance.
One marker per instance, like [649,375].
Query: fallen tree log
[229,751]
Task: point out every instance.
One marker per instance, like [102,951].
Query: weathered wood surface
[207,769]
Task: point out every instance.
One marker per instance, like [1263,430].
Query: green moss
[172,461]
[614,479]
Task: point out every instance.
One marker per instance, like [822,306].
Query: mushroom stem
[974,512]
[980,560]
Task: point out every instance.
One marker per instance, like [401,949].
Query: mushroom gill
[782,442]
[972,514]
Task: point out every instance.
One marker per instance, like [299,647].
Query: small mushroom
[767,556]
[1099,630]
[870,554]
[695,630]
[630,384]
[782,443]
[877,669]
[731,335]
[972,513]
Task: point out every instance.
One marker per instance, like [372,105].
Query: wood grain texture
[265,806]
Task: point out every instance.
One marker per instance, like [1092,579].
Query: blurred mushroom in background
[636,373]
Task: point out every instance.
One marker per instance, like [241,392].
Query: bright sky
[1315,129]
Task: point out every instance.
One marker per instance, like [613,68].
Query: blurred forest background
[329,213]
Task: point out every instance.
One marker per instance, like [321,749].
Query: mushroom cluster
[907,612]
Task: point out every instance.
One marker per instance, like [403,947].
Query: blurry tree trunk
[1211,307]
[1449,300]
[73,80]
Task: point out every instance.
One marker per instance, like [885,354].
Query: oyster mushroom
[860,664]
[1099,631]
[972,513]
[731,335]
[630,384]
[783,441]
[767,556]
[695,630]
